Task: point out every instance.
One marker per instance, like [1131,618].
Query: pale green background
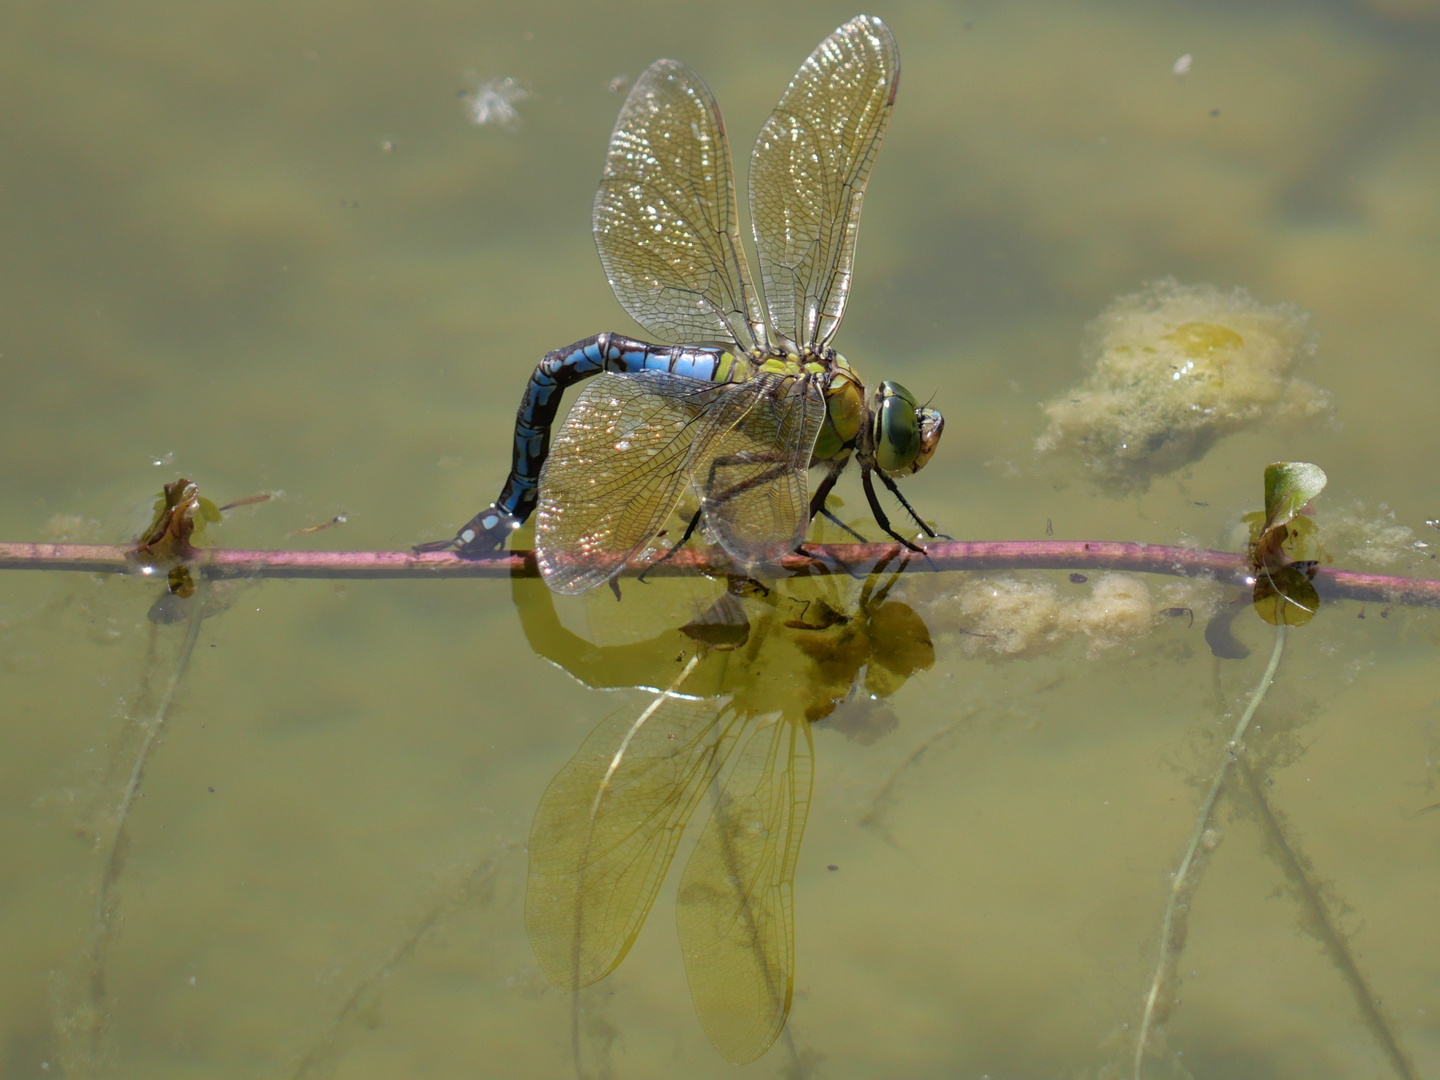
[211,266]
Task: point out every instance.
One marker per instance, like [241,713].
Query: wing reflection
[727,727]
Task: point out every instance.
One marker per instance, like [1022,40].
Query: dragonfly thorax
[844,413]
[824,367]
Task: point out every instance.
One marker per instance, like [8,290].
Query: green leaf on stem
[1289,487]
[1279,559]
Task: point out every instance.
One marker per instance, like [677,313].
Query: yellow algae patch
[1118,609]
[1174,368]
[1008,618]
[1378,540]
[1197,600]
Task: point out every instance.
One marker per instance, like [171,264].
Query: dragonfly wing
[619,465]
[808,173]
[665,219]
[616,471]
[735,911]
[607,828]
[752,478]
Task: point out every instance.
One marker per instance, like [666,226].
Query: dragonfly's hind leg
[825,558]
[830,517]
[689,532]
[833,468]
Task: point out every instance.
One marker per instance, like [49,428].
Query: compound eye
[897,429]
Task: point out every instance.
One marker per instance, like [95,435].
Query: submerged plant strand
[1317,922]
[1172,929]
[82,1031]
[468,886]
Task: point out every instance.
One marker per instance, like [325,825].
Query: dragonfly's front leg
[926,529]
[881,518]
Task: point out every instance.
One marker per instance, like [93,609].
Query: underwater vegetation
[1172,369]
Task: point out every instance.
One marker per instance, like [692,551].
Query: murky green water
[262,246]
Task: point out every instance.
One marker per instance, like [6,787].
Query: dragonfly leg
[826,558]
[881,518]
[894,490]
[689,532]
[833,468]
[752,483]
[760,481]
[836,521]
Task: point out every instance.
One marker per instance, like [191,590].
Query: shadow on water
[728,724]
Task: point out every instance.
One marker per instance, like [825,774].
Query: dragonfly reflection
[730,728]
[736,414]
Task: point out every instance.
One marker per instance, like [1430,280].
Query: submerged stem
[90,1020]
[1322,927]
[1171,929]
[471,885]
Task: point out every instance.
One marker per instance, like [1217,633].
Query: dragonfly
[728,736]
[733,413]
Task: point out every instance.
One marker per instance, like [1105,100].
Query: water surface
[264,247]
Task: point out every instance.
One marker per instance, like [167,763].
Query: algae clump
[1004,617]
[1174,368]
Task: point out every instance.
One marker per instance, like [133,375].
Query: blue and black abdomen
[540,404]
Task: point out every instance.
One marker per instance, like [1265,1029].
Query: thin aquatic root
[97,823]
[874,817]
[90,1020]
[802,1064]
[1318,924]
[470,887]
[1172,929]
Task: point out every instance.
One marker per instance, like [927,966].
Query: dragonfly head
[905,433]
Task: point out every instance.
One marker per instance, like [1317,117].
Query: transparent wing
[630,444]
[665,219]
[755,492]
[808,174]
[616,471]
[735,911]
[607,828]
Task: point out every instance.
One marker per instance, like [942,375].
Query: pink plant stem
[1091,556]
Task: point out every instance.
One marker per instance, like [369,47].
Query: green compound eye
[906,434]
[897,428]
